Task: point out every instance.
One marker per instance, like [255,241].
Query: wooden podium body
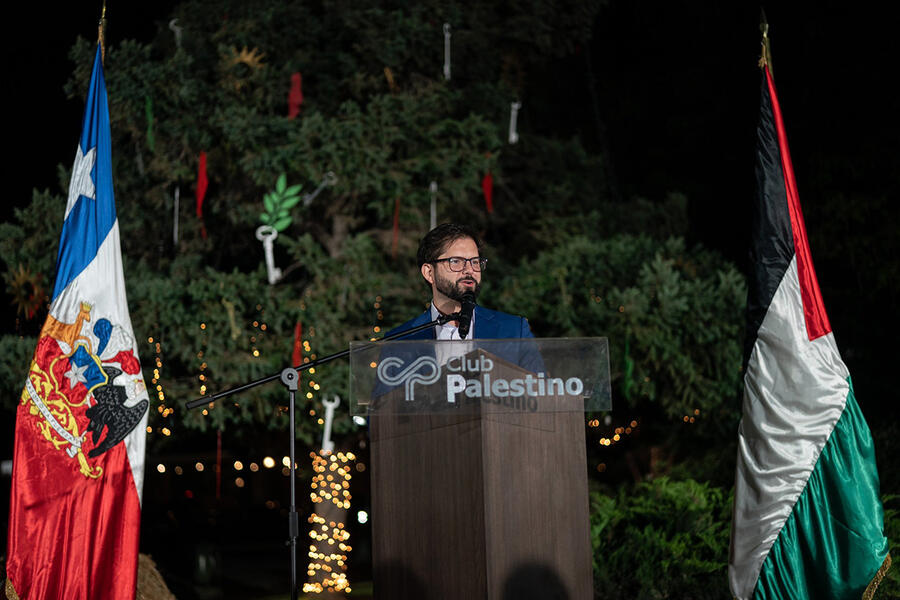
[483,505]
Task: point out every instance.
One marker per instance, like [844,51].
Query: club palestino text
[522,393]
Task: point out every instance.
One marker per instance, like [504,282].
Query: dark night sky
[677,92]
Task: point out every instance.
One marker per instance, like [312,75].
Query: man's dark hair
[437,240]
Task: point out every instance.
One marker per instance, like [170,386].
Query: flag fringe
[150,584]
[11,591]
[873,585]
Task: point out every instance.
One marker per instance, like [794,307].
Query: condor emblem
[85,380]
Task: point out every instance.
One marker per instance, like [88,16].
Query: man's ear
[428,273]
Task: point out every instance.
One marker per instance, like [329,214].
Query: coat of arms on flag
[83,374]
[78,462]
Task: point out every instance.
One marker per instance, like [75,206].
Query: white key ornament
[513,117]
[173,25]
[330,405]
[267,235]
[330,179]
[447,51]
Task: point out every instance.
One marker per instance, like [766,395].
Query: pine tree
[377,113]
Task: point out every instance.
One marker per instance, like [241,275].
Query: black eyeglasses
[458,263]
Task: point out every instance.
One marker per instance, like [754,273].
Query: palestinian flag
[808,520]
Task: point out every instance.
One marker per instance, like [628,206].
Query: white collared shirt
[450,332]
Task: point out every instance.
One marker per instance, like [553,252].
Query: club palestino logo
[424,370]
[472,377]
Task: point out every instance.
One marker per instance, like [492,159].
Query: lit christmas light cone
[328,536]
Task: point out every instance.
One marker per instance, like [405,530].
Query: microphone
[465,314]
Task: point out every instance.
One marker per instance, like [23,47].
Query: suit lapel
[485,325]
[425,334]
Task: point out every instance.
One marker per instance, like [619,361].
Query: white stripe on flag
[105,273]
[794,393]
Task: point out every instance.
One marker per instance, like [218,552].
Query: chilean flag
[78,462]
[808,520]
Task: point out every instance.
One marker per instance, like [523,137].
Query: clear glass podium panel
[429,377]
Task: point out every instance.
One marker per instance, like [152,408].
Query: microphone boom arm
[191,404]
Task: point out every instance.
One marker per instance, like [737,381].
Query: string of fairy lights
[330,495]
[333,482]
[379,315]
[328,549]
[203,379]
[620,433]
[268,462]
[164,411]
[332,472]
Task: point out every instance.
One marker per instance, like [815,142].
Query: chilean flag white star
[82,183]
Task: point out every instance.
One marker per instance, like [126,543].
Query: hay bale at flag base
[78,461]
[808,520]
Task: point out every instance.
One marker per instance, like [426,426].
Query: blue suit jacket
[489,325]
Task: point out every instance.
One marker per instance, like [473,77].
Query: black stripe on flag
[772,248]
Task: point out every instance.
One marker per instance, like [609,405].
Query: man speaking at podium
[450,262]
[466,507]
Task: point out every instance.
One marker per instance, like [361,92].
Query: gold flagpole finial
[101,26]
[765,58]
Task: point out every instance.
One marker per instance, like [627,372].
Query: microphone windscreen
[465,314]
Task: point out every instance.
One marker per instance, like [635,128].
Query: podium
[490,502]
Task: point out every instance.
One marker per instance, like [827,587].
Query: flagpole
[765,58]
[101,26]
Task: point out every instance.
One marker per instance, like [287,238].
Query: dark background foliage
[623,211]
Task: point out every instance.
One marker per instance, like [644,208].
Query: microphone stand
[290,378]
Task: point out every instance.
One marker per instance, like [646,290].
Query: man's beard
[453,289]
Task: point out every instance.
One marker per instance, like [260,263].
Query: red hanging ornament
[297,357]
[202,184]
[487,186]
[295,96]
[396,237]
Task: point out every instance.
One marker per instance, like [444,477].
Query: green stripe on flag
[833,543]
